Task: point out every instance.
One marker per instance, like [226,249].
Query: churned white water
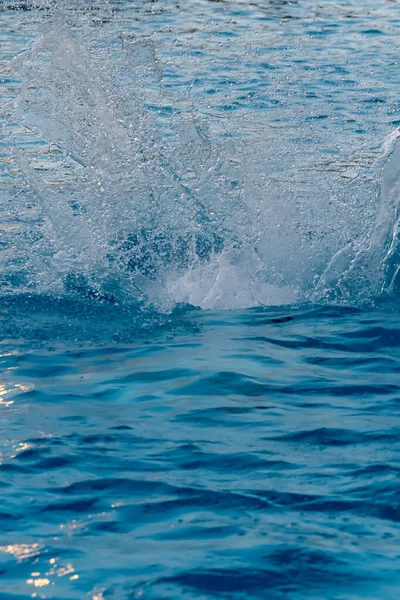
[134,179]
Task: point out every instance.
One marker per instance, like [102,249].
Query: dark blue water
[250,454]
[199,324]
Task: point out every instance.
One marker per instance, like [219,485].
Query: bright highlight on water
[199,286]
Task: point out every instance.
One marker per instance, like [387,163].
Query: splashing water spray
[136,197]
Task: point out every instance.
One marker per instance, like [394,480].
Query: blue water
[199,325]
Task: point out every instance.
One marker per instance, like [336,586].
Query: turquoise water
[200,347]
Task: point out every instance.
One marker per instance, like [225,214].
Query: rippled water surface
[199,325]
[245,455]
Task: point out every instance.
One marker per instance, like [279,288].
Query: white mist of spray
[160,209]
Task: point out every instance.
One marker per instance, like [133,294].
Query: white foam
[232,280]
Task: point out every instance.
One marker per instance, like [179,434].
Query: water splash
[367,268]
[143,201]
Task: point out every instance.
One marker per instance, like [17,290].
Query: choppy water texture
[199,332]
